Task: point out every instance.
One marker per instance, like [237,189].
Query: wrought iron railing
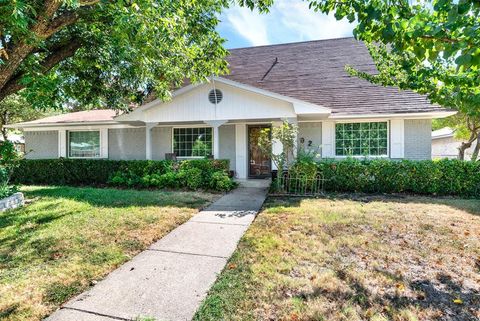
[298,185]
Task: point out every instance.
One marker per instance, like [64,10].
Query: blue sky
[287,21]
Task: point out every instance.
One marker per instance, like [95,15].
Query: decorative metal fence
[298,185]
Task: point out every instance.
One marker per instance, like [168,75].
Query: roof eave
[59,124]
[419,115]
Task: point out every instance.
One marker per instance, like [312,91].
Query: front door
[259,164]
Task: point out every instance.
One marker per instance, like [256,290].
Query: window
[192,142]
[85,144]
[361,139]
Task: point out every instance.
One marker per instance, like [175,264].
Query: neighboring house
[17,140]
[445,145]
[303,83]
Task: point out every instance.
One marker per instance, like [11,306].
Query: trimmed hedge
[438,177]
[64,171]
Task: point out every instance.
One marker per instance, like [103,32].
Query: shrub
[221,182]
[440,177]
[9,159]
[191,177]
[192,174]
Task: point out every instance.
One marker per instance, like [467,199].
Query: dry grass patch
[68,238]
[368,258]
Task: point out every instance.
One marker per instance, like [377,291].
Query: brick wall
[418,139]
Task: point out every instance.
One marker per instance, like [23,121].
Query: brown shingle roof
[314,71]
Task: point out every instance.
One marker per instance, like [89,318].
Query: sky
[287,21]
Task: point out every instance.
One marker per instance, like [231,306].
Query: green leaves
[127,50]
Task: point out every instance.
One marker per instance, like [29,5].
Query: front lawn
[68,238]
[360,258]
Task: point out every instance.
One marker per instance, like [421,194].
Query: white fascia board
[423,115]
[442,136]
[82,126]
[41,125]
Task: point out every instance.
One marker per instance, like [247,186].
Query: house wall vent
[215,96]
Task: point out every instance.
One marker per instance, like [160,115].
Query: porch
[235,141]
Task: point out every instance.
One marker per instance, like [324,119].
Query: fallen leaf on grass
[458,301]
[400,286]
[231,266]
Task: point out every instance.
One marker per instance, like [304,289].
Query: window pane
[361,139]
[194,142]
[84,144]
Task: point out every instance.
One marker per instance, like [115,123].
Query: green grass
[364,258]
[66,238]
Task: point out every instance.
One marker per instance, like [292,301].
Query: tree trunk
[466,145]
[476,150]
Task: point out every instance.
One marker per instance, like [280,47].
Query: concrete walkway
[170,279]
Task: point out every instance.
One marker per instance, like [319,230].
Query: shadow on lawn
[471,206]
[109,197]
[431,294]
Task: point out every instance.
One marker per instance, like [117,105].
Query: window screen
[84,144]
[361,139]
[192,142]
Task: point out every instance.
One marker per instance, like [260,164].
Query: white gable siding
[237,104]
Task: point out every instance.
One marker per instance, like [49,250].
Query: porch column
[148,140]
[216,138]
[241,150]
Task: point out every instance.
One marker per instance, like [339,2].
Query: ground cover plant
[354,258]
[67,238]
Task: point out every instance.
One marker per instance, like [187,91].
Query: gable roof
[314,72]
[444,132]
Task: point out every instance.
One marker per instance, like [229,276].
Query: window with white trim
[361,139]
[192,142]
[84,144]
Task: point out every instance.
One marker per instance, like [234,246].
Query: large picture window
[84,144]
[192,142]
[361,139]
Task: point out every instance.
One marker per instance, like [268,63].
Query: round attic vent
[215,96]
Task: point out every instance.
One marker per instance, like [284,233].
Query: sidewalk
[169,280]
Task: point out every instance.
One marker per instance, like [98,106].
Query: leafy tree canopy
[106,52]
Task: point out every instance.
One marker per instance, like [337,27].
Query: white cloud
[287,21]
[308,24]
[250,25]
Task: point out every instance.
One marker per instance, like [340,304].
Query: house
[445,145]
[304,83]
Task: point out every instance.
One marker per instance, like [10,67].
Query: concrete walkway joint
[170,279]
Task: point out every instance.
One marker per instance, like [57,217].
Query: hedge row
[442,177]
[64,171]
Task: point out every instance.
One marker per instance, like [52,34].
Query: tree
[401,69]
[14,109]
[431,47]
[106,53]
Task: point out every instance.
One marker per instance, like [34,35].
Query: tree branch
[65,19]
[54,58]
